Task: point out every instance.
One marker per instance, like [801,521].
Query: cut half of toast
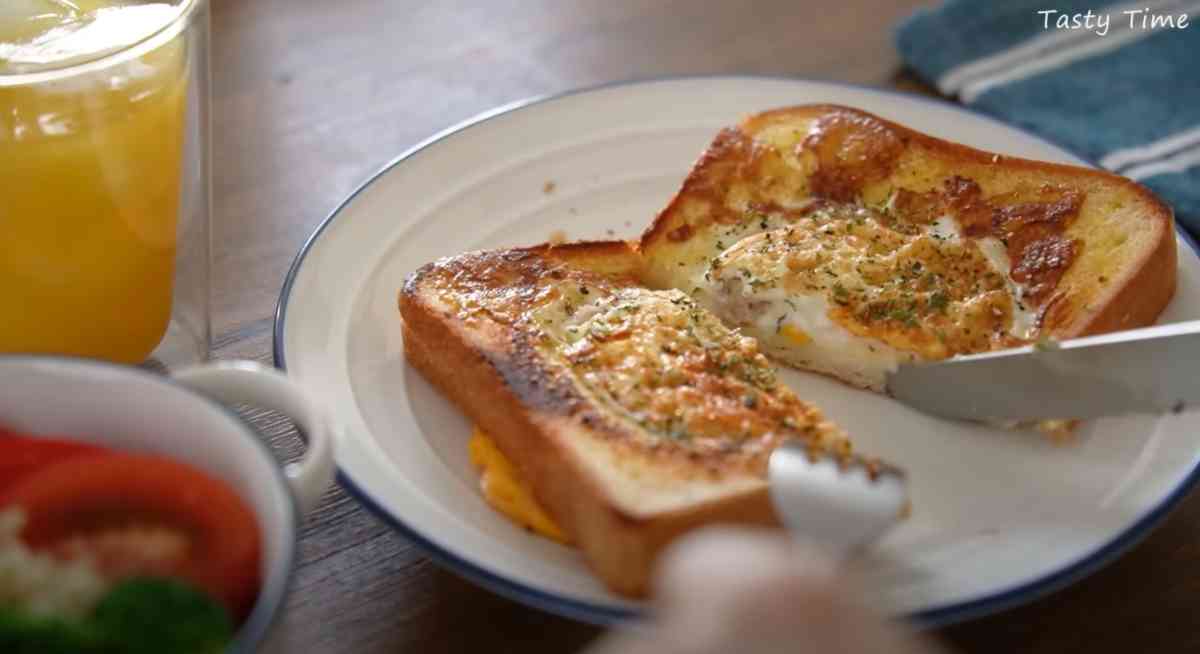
[847,244]
[634,414]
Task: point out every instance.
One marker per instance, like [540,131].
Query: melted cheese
[506,491]
[854,292]
[661,362]
[1024,318]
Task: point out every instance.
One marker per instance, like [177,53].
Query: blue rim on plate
[608,615]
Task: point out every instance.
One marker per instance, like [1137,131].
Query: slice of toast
[634,414]
[847,244]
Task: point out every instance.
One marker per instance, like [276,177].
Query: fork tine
[842,502]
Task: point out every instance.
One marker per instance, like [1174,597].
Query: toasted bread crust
[1141,297]
[1135,295]
[487,371]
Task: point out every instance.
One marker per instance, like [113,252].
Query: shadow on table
[375,592]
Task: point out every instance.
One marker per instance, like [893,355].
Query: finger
[725,558]
[760,591]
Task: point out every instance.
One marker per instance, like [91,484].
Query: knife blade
[1148,370]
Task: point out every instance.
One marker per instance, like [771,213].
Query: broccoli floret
[138,616]
[151,615]
[22,633]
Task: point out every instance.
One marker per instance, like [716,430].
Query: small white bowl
[182,417]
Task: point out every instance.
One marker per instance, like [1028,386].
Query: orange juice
[90,170]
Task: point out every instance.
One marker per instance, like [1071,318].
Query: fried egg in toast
[847,244]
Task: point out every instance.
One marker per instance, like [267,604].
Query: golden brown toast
[848,244]
[634,414]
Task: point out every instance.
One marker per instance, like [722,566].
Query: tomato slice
[21,455]
[144,514]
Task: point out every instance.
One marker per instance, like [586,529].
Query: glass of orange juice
[104,179]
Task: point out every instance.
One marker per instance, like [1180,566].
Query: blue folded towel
[1112,82]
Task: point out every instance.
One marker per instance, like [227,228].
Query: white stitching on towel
[1045,51]
[1176,164]
[1153,150]
[1120,35]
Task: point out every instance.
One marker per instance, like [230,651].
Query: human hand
[756,592]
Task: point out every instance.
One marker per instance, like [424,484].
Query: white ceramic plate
[999,517]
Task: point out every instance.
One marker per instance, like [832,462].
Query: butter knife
[1148,370]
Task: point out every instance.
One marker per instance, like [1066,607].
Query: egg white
[795,327]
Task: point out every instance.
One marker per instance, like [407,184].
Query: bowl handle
[238,382]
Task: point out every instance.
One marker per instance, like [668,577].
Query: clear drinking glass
[104,179]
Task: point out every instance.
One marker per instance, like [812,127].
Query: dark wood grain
[310,96]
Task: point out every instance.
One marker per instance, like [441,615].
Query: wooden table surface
[311,96]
